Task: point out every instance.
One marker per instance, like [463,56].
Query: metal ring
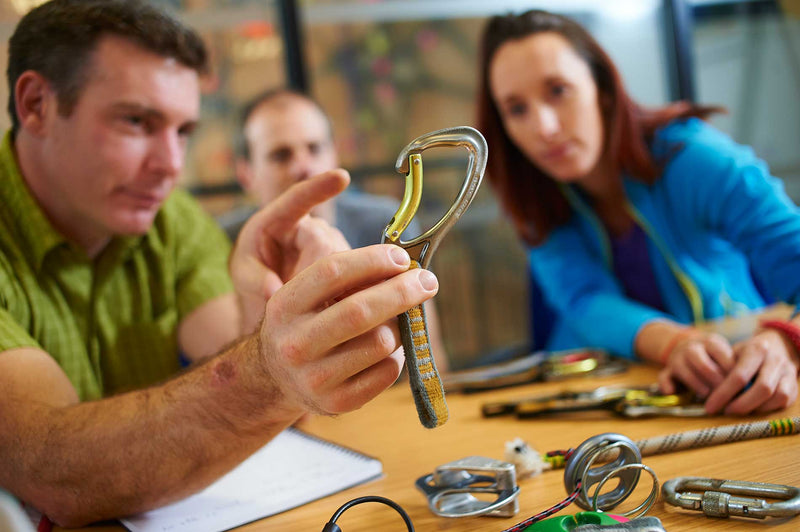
[627,485]
[579,469]
[646,504]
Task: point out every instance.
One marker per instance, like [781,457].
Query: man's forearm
[137,451]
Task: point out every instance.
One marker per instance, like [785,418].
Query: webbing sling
[426,385]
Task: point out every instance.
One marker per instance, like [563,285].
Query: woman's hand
[763,378]
[701,361]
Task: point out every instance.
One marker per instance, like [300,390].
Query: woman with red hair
[640,222]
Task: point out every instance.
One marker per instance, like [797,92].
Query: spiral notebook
[293,469]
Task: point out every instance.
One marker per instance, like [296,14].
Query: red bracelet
[790,331]
[676,338]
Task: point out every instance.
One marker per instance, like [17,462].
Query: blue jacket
[714,219]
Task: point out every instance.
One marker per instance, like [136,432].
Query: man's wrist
[248,397]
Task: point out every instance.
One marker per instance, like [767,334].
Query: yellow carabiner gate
[426,385]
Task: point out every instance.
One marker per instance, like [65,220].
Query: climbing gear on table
[722,498]
[692,439]
[627,465]
[640,524]
[616,457]
[537,366]
[450,487]
[625,401]
[596,522]
[426,385]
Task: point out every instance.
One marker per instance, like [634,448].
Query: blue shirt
[715,215]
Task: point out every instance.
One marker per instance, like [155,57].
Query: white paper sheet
[289,471]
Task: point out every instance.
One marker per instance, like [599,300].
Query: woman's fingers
[774,384]
[721,352]
[784,395]
[694,363]
[737,379]
[686,375]
[665,381]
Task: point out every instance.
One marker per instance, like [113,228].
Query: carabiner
[426,385]
[451,487]
[645,403]
[409,162]
[719,497]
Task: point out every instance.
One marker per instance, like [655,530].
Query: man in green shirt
[105,273]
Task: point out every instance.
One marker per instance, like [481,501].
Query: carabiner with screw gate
[426,384]
[720,498]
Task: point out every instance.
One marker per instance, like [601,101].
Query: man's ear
[32,96]
[244,174]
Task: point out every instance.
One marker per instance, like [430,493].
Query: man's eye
[137,122]
[280,156]
[186,131]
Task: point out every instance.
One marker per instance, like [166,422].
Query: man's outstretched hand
[281,240]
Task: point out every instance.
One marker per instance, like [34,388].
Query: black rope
[331,525]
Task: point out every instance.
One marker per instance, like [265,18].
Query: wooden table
[388,428]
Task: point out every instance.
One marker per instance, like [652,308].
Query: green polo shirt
[110,323]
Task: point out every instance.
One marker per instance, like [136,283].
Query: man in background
[287,138]
[107,272]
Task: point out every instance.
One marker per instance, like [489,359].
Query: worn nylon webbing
[426,385]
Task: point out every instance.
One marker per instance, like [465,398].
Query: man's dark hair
[266,97]
[57,39]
